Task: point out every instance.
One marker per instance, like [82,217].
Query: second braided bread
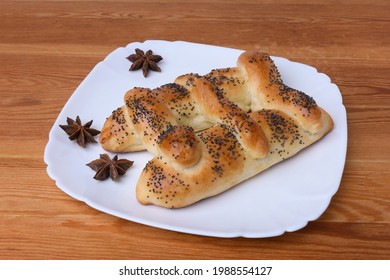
[222,96]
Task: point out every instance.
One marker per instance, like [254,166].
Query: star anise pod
[146,60]
[83,133]
[106,167]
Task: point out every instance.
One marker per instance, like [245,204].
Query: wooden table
[47,48]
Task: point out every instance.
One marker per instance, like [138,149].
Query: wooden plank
[47,48]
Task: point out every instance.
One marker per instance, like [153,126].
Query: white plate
[283,198]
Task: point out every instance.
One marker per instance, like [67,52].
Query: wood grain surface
[48,47]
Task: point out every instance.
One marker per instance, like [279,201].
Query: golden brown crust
[195,101]
[149,115]
[118,133]
[219,109]
[232,82]
[179,144]
[224,162]
[268,91]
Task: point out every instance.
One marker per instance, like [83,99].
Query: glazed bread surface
[222,162]
[202,101]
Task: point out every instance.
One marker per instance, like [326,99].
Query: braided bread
[202,101]
[249,120]
[218,160]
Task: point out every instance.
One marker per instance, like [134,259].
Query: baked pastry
[197,166]
[202,101]
[249,120]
